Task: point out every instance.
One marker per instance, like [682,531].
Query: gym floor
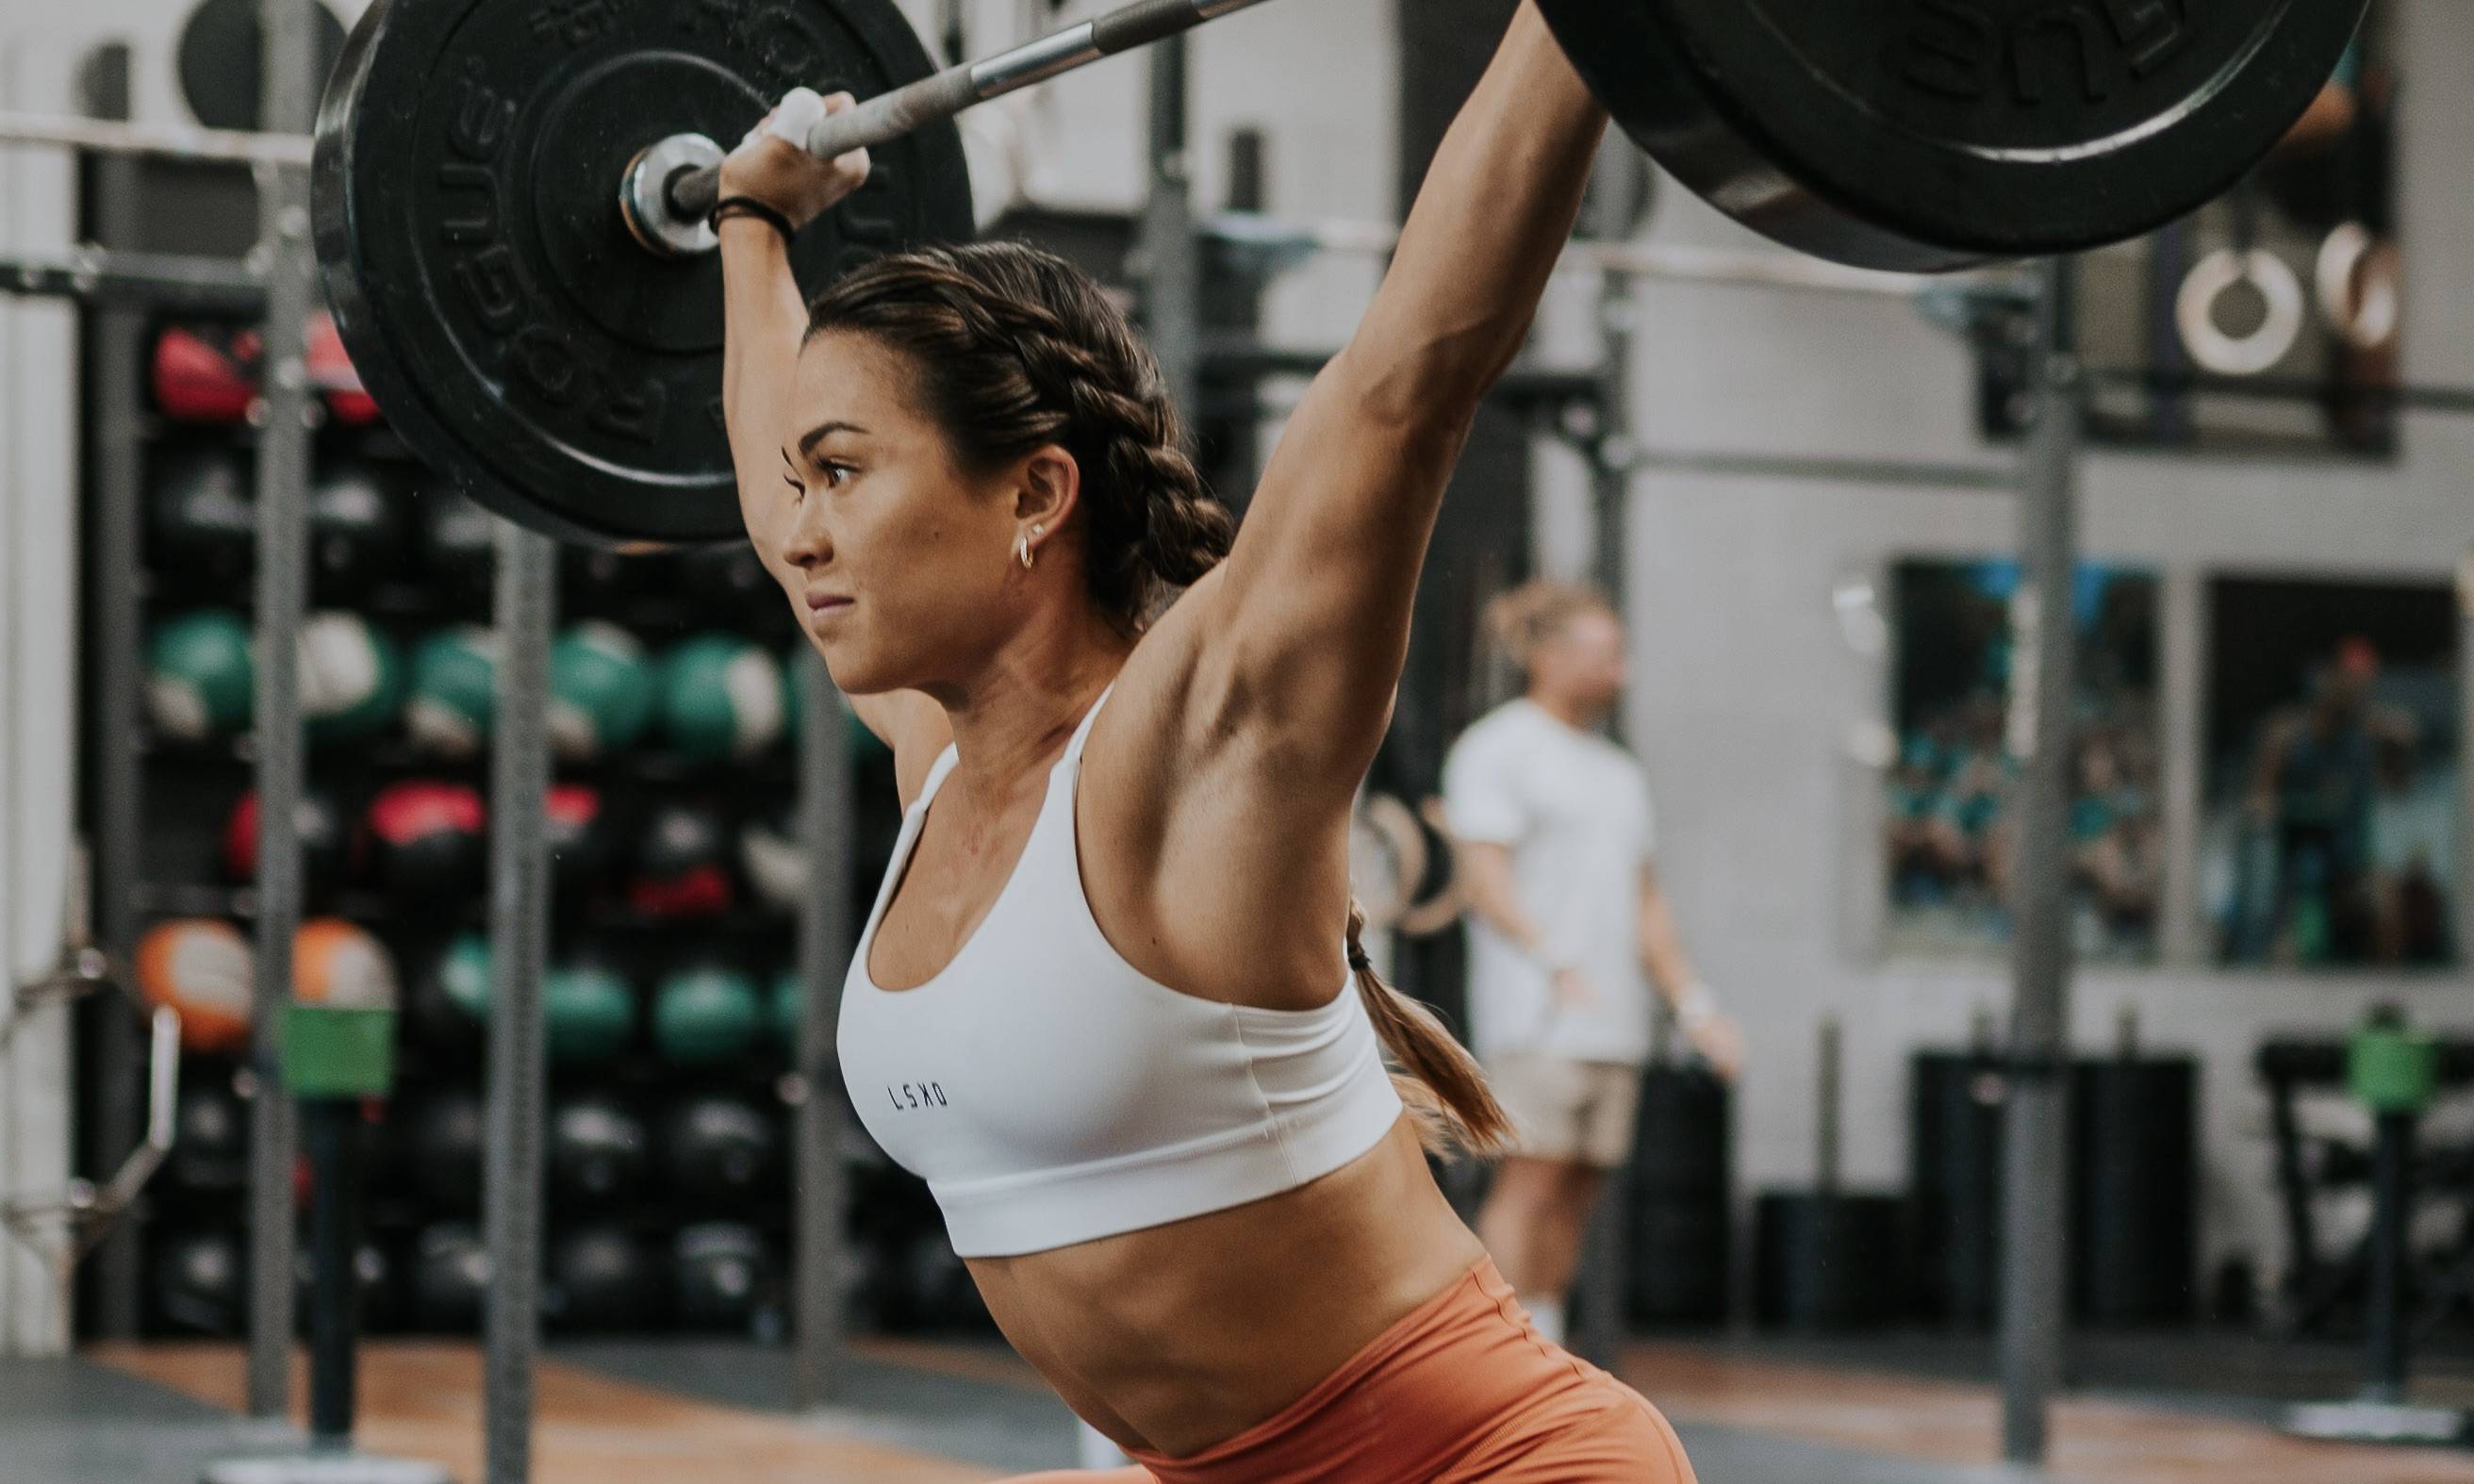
[1906,1410]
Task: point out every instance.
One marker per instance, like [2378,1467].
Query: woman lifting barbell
[1100,1021]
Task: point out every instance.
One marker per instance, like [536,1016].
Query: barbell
[509,195]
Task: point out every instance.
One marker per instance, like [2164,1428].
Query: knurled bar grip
[888,117]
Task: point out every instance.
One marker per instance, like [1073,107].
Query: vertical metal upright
[2182,936]
[1170,251]
[526,607]
[1611,470]
[287,408]
[820,1260]
[2035,1315]
[115,373]
[1606,1258]
[2461,898]
[2385,1300]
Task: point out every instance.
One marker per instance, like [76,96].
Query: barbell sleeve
[890,116]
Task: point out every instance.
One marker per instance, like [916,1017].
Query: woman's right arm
[1304,630]
[764,321]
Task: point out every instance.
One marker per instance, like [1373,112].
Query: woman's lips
[825,609]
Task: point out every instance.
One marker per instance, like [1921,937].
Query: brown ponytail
[1440,1082]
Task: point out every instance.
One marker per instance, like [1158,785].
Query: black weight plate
[2134,1241]
[1681,1145]
[466,206]
[1956,1103]
[222,52]
[1827,1261]
[1928,135]
[1679,1251]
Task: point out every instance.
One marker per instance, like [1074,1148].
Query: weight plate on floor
[1927,134]
[465,209]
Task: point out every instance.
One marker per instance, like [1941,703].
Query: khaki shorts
[1573,1112]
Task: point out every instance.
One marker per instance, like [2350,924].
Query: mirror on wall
[1951,814]
[2332,829]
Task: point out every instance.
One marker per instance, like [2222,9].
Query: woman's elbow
[1435,387]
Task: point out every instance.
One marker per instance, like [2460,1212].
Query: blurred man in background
[1570,931]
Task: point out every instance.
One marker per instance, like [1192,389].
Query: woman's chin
[859,675]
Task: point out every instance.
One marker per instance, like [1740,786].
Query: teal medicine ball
[721,699]
[199,679]
[351,678]
[464,977]
[603,692]
[590,1011]
[706,1015]
[454,692]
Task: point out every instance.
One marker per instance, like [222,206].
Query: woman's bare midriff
[1180,1337]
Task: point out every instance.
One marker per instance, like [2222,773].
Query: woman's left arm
[1298,639]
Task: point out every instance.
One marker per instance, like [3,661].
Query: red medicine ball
[427,840]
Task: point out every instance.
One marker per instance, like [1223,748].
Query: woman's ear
[1048,490]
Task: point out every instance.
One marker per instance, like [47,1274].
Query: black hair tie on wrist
[748,205]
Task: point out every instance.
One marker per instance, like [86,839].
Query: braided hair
[1014,349]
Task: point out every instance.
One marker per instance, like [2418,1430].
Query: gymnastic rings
[1444,905]
[1386,860]
[2358,289]
[2214,276]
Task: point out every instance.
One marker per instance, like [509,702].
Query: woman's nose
[806,544]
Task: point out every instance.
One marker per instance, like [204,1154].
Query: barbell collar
[645,202]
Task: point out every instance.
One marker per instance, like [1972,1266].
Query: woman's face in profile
[895,561]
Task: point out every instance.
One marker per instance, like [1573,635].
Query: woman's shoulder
[1157,686]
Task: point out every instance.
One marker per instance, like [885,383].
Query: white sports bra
[1050,1094]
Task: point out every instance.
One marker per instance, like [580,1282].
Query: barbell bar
[687,195]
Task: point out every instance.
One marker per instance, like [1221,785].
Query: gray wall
[1747,693]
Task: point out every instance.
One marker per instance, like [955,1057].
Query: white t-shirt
[1574,809]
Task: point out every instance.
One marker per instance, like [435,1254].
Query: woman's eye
[835,474]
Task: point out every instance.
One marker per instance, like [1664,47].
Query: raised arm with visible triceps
[1308,620]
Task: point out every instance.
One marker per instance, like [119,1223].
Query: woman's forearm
[764,318]
[1497,205]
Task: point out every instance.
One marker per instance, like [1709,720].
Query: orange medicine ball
[334,963]
[202,969]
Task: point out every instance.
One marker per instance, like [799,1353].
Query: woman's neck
[1010,721]
[1565,709]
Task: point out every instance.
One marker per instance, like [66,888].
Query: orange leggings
[1462,1388]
